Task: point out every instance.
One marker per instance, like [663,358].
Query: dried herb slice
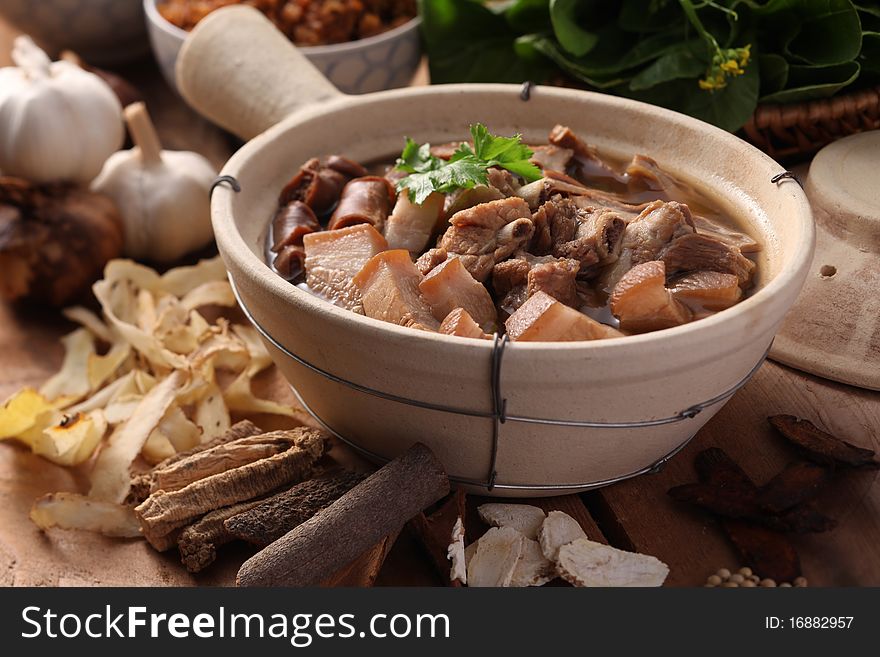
[822,447]
[797,483]
[768,553]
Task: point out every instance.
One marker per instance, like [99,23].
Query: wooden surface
[633,515]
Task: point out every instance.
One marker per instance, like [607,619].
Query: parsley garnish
[466,168]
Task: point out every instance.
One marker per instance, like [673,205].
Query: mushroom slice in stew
[706,292]
[642,303]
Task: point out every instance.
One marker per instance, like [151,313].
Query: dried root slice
[198,543]
[111,479]
[272,518]
[497,554]
[586,563]
[220,459]
[558,529]
[525,519]
[162,513]
[455,554]
[142,484]
[72,511]
[642,303]
[533,568]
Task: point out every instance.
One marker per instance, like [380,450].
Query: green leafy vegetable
[713,59]
[467,167]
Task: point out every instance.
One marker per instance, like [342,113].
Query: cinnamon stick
[333,538]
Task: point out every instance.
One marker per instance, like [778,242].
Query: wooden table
[636,514]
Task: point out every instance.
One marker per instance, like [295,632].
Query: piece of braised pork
[488,233]
[334,257]
[460,323]
[389,288]
[449,286]
[543,318]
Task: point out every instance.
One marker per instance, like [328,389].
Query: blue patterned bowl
[100,31]
[385,61]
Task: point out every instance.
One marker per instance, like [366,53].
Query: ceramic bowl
[642,397]
[102,32]
[385,61]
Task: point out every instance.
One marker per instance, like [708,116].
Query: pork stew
[546,243]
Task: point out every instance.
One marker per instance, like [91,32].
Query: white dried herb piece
[456,554]
[524,518]
[469,553]
[533,568]
[558,529]
[497,554]
[586,563]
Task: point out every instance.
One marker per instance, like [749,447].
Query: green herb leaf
[417,159]
[466,168]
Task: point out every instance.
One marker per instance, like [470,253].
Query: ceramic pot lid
[833,330]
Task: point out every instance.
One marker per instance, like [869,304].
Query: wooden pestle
[375,508]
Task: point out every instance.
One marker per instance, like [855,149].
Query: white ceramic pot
[645,378]
[385,61]
[101,31]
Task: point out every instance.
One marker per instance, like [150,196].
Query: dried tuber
[54,240]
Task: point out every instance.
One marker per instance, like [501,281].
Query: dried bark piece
[558,529]
[162,513]
[272,518]
[822,447]
[731,503]
[533,568]
[797,483]
[142,484]
[714,466]
[373,509]
[363,571]
[586,563]
[524,518]
[768,553]
[198,543]
[494,562]
[442,531]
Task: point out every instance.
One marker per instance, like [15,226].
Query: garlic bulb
[57,121]
[163,196]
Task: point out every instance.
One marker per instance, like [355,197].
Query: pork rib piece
[488,233]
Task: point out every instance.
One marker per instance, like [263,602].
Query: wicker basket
[795,132]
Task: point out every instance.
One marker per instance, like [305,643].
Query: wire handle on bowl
[498,413]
